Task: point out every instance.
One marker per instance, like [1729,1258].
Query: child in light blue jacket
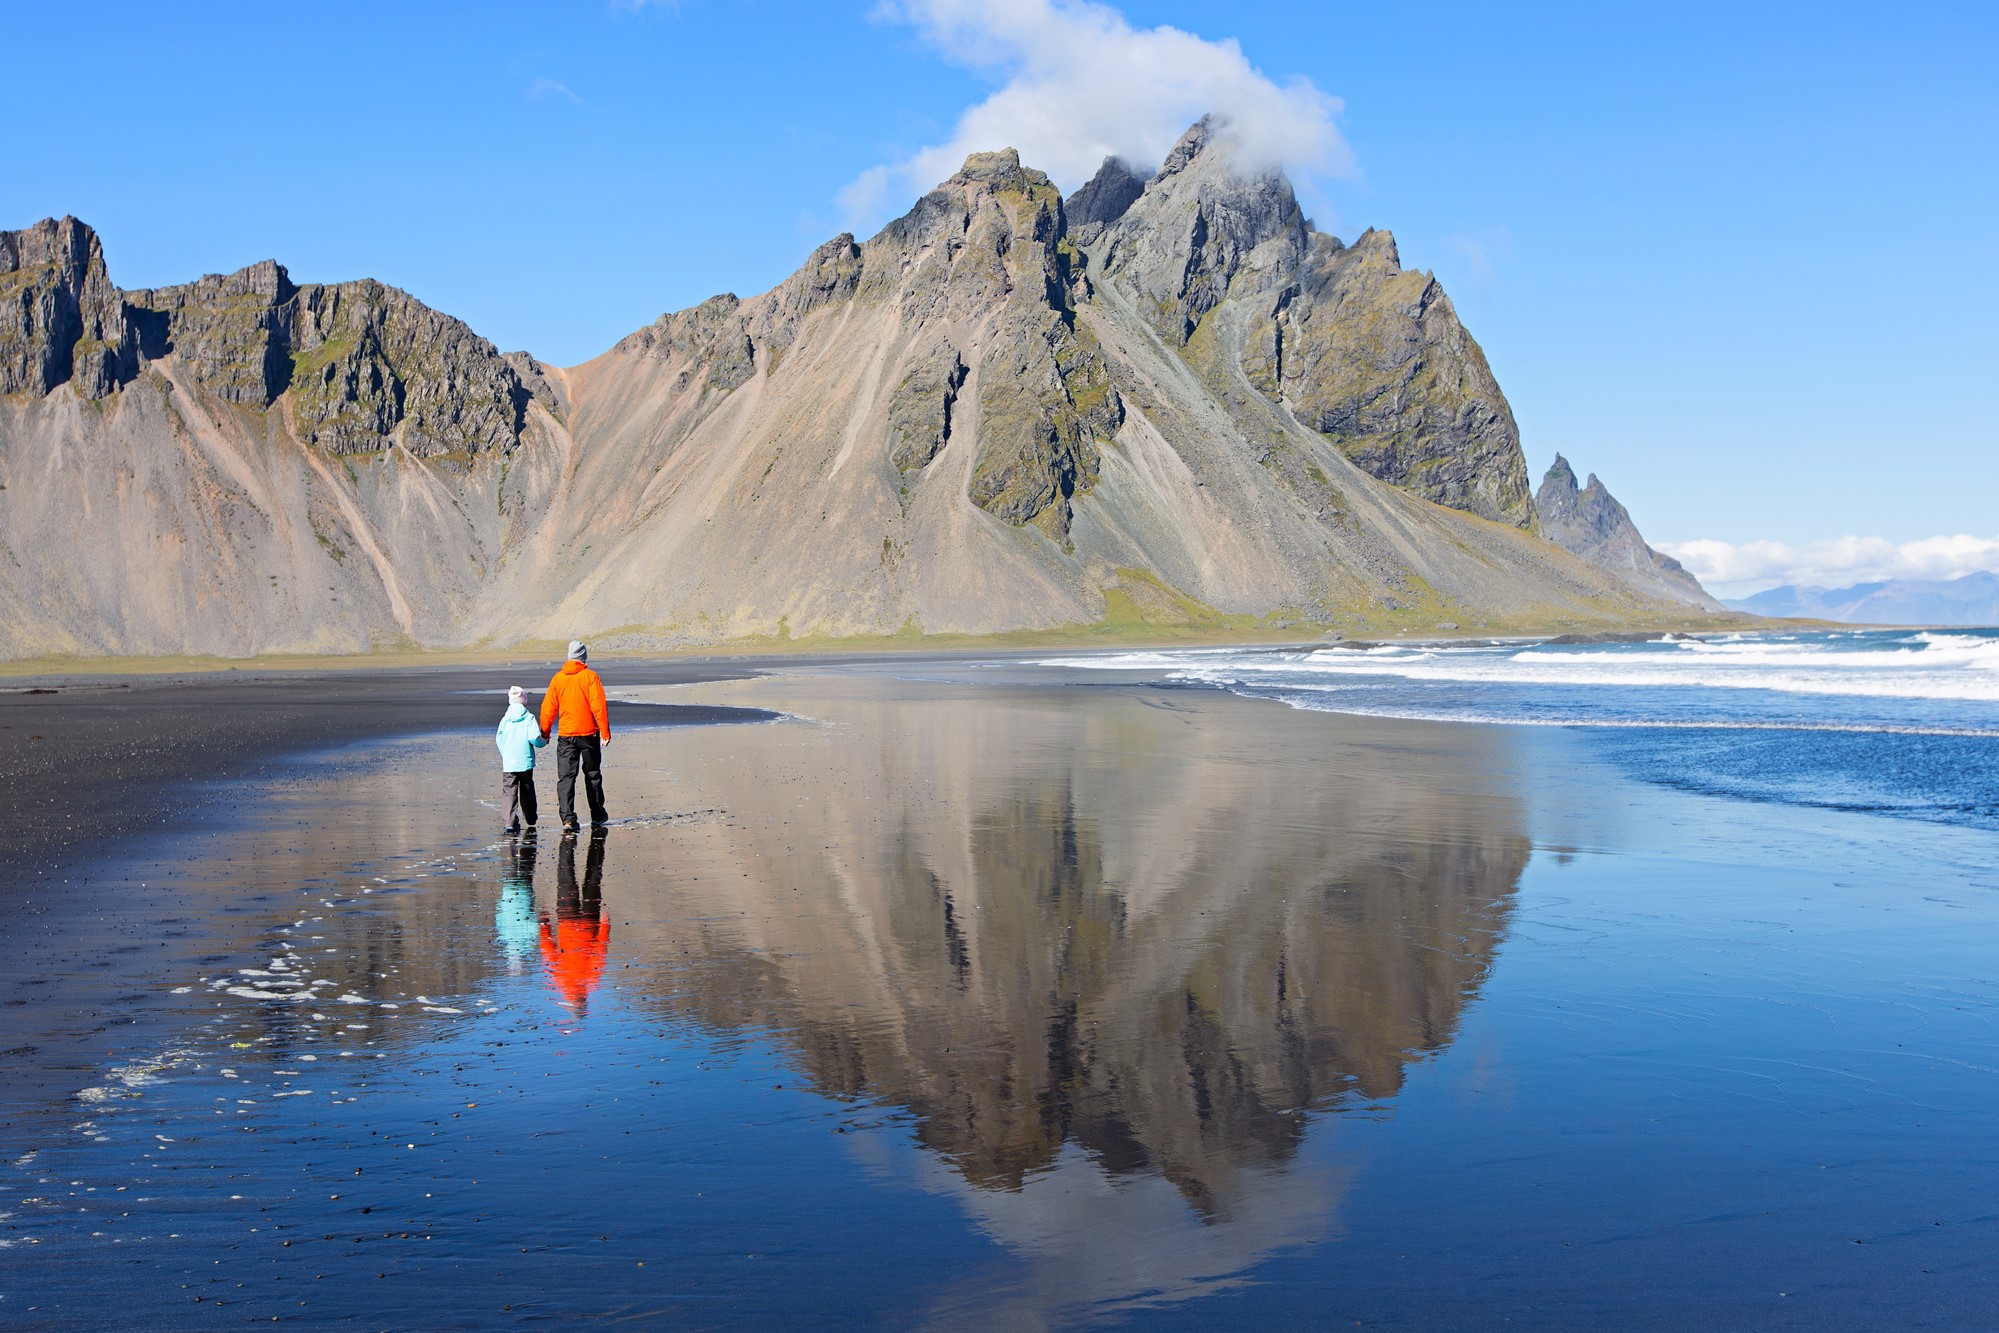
[518,738]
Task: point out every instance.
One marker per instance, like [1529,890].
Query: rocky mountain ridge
[1165,403]
[1370,356]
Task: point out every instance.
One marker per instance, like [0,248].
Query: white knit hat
[578,650]
[517,695]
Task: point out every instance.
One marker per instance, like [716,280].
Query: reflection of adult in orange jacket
[575,942]
[574,707]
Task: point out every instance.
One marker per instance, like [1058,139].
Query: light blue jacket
[519,737]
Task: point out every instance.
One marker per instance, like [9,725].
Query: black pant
[570,752]
[517,798]
[587,903]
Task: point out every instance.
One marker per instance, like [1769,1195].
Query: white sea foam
[1638,724]
[1945,667]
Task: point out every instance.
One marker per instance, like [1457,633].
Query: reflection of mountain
[1107,946]
[1138,925]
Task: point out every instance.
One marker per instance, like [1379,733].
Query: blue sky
[1736,259]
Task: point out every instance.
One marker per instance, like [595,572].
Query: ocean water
[1890,721]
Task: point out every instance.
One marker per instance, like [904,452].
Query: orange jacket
[576,694]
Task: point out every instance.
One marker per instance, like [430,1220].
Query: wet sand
[986,997]
[100,769]
[88,760]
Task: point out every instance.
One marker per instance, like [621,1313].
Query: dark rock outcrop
[361,365]
[1373,357]
[370,361]
[990,245]
[1590,523]
[61,320]
[1102,200]
[919,416]
[232,332]
[1045,401]
[1045,404]
[709,341]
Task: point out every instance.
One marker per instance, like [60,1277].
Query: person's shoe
[569,830]
[600,823]
[510,828]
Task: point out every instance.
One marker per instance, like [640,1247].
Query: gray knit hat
[579,651]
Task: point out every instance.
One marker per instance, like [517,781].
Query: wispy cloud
[1078,83]
[542,89]
[1479,256]
[1733,570]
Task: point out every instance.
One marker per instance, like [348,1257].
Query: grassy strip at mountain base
[1143,611]
[1102,634]
[1257,633]
[1140,611]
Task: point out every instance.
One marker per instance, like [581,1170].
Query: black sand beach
[90,759]
[102,768]
[982,995]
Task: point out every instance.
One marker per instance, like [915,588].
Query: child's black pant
[517,798]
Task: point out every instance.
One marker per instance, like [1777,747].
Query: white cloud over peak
[1078,83]
[1729,569]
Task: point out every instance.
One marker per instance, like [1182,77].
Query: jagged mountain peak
[1590,522]
[1000,167]
[61,320]
[1377,244]
[1221,262]
[1189,146]
[1210,144]
[62,241]
[1176,249]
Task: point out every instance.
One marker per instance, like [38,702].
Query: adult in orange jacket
[574,708]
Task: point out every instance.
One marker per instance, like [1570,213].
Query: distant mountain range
[1166,402]
[1970,600]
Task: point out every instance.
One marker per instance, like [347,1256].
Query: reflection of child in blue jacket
[513,920]
[519,737]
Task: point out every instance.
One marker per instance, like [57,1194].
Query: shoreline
[232,716]
[26,671]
